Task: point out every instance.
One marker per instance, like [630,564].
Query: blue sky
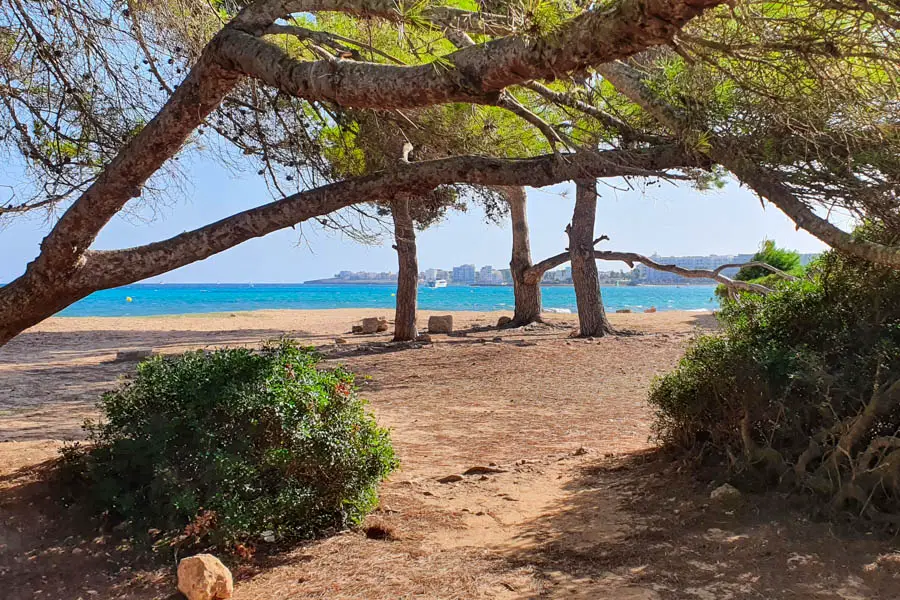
[667,219]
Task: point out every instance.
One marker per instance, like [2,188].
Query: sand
[584,507]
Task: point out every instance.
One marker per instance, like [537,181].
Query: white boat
[437,283]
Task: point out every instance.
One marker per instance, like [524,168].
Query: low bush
[801,388]
[233,445]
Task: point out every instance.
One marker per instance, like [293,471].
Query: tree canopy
[797,100]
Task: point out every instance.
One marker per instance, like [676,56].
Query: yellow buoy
[127,298]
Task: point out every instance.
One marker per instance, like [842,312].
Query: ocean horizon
[154,299]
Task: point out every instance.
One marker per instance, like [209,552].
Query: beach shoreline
[333,321]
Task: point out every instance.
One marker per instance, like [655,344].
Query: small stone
[450,479]
[204,577]
[526,344]
[340,341]
[581,451]
[371,324]
[726,494]
[133,355]
[424,338]
[479,470]
[440,324]
[503,321]
[624,311]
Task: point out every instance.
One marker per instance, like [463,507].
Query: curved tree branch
[33,299]
[536,273]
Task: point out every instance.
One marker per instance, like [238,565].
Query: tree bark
[407,273]
[475,74]
[592,319]
[527,294]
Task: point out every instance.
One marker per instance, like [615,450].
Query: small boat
[437,283]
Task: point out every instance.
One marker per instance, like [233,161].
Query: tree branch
[536,273]
[628,81]
[104,269]
[473,74]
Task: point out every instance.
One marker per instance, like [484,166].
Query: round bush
[235,445]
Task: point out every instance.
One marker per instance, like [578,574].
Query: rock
[479,470]
[450,478]
[581,451]
[374,324]
[440,324]
[356,329]
[624,311]
[503,321]
[133,355]
[652,309]
[726,494]
[204,577]
[423,337]
[340,341]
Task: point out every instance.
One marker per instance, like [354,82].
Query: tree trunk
[527,295]
[407,273]
[591,315]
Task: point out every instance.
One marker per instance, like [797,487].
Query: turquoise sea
[156,299]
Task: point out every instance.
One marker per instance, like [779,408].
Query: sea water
[158,299]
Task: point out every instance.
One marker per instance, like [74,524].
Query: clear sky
[668,220]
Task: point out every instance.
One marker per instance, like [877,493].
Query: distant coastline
[337,281]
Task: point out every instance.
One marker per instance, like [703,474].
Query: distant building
[464,274]
[506,275]
[563,275]
[485,274]
[488,275]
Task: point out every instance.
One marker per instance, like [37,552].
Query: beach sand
[585,508]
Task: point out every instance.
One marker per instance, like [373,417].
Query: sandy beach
[584,506]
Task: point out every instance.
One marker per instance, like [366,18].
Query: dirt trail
[568,499]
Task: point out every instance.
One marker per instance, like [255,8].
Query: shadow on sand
[636,529]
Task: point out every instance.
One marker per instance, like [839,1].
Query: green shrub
[780,258]
[234,443]
[801,387]
[787,261]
